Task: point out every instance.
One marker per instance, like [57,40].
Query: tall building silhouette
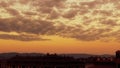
[118,59]
[118,54]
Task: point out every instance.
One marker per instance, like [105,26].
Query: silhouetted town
[60,61]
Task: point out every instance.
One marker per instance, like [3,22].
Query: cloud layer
[85,20]
[21,37]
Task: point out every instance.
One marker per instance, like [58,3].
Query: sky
[60,26]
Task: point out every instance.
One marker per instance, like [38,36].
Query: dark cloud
[7,3]
[26,25]
[49,3]
[24,1]
[12,11]
[103,12]
[54,15]
[86,35]
[89,5]
[4,4]
[85,21]
[29,13]
[109,22]
[46,6]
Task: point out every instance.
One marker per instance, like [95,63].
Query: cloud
[21,37]
[91,34]
[87,20]
[70,14]
[3,4]
[26,25]
[12,11]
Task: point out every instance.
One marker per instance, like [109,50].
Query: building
[118,54]
[100,62]
[0,63]
[101,65]
[117,60]
[47,61]
[58,61]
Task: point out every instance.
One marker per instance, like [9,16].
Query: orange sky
[59,45]
[60,26]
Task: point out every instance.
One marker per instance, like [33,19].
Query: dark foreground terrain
[36,60]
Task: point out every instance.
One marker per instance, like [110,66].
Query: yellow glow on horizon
[64,46]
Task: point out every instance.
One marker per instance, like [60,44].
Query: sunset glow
[60,26]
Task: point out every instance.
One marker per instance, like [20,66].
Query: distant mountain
[9,55]
[87,55]
[12,54]
[78,55]
[107,55]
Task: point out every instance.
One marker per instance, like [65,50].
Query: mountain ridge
[81,55]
